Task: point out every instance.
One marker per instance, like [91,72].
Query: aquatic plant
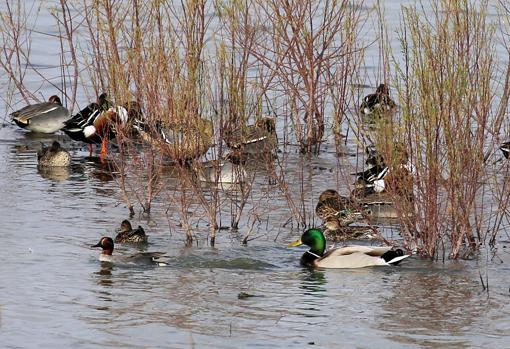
[446,86]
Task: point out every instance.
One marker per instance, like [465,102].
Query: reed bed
[205,70]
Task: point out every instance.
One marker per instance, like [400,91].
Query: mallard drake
[95,123]
[106,243]
[344,257]
[53,156]
[254,139]
[335,210]
[126,234]
[181,141]
[46,117]
[378,103]
[505,149]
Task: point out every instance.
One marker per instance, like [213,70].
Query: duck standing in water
[46,117]
[95,123]
[107,244]
[53,156]
[126,234]
[378,103]
[344,257]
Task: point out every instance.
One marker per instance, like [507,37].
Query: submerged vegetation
[208,72]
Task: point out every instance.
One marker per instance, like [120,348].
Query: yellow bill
[295,243]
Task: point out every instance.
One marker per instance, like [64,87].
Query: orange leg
[90,150]
[103,148]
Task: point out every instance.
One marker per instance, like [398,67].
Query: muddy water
[55,293]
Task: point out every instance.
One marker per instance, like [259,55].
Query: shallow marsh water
[55,293]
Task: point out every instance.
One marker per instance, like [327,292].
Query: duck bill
[295,243]
[97,245]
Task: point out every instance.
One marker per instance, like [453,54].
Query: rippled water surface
[54,293]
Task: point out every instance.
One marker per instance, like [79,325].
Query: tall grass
[446,87]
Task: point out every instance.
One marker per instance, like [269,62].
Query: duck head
[55,99]
[106,244]
[314,238]
[328,194]
[383,89]
[124,227]
[55,146]
[266,123]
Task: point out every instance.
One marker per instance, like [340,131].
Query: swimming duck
[46,117]
[53,156]
[106,243]
[95,123]
[180,141]
[344,257]
[254,139]
[126,234]
[378,103]
[376,179]
[505,149]
[229,170]
[335,210]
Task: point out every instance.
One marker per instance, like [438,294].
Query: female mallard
[336,210]
[53,156]
[46,117]
[126,234]
[254,139]
[378,103]
[180,141]
[344,257]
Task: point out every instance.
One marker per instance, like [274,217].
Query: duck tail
[394,257]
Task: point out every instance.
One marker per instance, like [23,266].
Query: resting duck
[505,149]
[378,103]
[107,244]
[126,234]
[47,117]
[53,156]
[336,211]
[180,141]
[95,123]
[344,257]
[254,139]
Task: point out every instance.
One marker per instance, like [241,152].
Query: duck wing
[351,260]
[30,111]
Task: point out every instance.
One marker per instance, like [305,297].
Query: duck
[376,179]
[53,156]
[126,234]
[254,139]
[107,245]
[505,149]
[229,170]
[46,117]
[378,103]
[336,211]
[95,123]
[179,141]
[354,256]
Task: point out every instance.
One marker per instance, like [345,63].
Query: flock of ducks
[97,123]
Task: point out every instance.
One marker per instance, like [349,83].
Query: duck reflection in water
[314,296]
[104,275]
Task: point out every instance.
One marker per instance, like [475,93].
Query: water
[55,293]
